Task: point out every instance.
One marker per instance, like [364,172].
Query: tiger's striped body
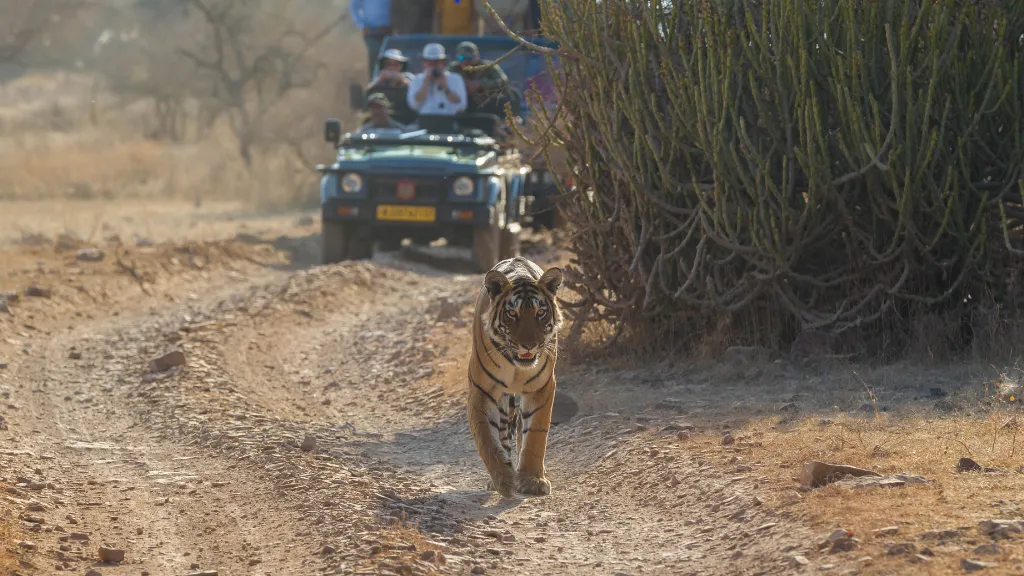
[512,373]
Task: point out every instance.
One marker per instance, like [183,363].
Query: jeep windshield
[526,70]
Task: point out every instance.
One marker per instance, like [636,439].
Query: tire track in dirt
[627,499]
[317,429]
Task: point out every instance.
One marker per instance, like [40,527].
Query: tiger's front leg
[487,421]
[536,416]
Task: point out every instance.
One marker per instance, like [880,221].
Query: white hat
[434,51]
[394,54]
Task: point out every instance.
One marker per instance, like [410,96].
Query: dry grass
[55,143]
[924,444]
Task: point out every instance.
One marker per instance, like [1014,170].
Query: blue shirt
[370,13]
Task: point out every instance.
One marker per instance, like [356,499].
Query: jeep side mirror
[332,130]
[355,96]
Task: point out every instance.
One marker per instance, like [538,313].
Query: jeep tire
[389,244]
[508,244]
[486,243]
[334,241]
[360,244]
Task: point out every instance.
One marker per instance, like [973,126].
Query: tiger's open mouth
[525,356]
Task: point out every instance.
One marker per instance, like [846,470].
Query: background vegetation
[171,98]
[754,169]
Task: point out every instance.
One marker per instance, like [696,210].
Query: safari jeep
[450,179]
[527,71]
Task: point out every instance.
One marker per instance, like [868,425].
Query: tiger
[512,373]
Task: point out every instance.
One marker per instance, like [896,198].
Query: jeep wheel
[485,247]
[360,244]
[333,242]
[389,244]
[508,244]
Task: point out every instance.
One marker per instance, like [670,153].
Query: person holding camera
[435,90]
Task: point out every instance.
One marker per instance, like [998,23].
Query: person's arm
[355,8]
[494,79]
[457,92]
[417,93]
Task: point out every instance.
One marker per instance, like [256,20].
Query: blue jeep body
[527,72]
[452,181]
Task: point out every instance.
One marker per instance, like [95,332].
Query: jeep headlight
[351,183]
[463,186]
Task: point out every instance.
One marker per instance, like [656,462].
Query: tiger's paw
[504,486]
[534,486]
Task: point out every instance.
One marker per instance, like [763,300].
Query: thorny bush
[777,166]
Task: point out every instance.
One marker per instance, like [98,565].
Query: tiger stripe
[511,393]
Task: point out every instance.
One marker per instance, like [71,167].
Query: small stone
[327,550]
[90,255]
[967,465]
[837,534]
[446,310]
[78,536]
[815,473]
[308,443]
[203,573]
[27,545]
[38,292]
[111,555]
[508,538]
[975,565]
[987,550]
[97,573]
[901,549]
[797,561]
[167,361]
[887,531]
[75,354]
[477,570]
[728,440]
[68,241]
[918,559]
[428,555]
[844,544]
[1000,528]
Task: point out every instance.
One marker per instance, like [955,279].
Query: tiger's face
[524,318]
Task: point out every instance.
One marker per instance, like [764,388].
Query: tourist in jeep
[393,81]
[487,89]
[380,117]
[435,90]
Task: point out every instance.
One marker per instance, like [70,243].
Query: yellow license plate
[407,213]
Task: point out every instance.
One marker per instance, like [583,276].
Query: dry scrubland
[56,145]
[672,464]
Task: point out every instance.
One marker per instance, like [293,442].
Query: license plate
[406,213]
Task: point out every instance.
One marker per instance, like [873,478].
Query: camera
[437,72]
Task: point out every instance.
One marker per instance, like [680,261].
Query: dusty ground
[318,427]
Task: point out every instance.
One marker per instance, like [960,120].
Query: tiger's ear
[551,279]
[495,282]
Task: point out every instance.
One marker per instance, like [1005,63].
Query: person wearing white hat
[435,90]
[393,81]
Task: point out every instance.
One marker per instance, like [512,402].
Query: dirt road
[317,426]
